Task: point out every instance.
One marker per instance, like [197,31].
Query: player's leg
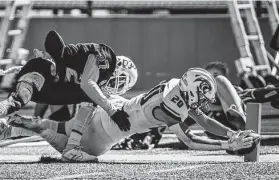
[47,129]
[231,102]
[81,122]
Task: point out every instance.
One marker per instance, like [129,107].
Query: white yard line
[75,176]
[100,173]
[177,169]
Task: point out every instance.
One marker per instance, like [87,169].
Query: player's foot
[77,155]
[29,123]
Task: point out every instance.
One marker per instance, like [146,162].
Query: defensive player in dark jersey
[94,64]
[34,82]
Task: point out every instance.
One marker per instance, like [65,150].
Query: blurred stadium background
[162,37]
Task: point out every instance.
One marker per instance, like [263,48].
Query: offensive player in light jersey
[167,104]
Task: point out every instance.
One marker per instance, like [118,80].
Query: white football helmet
[198,88]
[124,77]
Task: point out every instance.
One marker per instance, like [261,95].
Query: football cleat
[77,155]
[20,121]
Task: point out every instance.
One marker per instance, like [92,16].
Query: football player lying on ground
[227,109]
[165,105]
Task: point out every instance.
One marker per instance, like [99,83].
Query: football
[256,139]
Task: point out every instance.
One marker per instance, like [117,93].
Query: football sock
[56,140]
[82,120]
[49,124]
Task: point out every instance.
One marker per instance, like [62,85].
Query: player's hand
[247,95]
[240,140]
[120,117]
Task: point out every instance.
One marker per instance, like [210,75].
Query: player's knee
[224,85]
[222,81]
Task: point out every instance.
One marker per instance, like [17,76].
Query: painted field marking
[177,169]
[75,176]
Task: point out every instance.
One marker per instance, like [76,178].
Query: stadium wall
[162,47]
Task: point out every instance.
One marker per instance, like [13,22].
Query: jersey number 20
[177,101]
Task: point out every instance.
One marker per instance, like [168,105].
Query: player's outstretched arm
[204,143]
[91,88]
[210,125]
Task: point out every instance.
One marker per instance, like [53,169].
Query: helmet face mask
[123,78]
[198,88]
[117,84]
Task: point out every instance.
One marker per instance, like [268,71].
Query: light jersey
[165,96]
[173,104]
[139,122]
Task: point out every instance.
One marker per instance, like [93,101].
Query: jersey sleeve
[91,70]
[169,111]
[172,102]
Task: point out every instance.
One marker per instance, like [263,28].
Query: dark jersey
[66,91]
[34,84]
[75,56]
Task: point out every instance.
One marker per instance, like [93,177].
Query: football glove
[239,140]
[243,142]
[120,117]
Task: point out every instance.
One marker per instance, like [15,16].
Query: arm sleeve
[90,87]
[210,124]
[197,142]
[266,94]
